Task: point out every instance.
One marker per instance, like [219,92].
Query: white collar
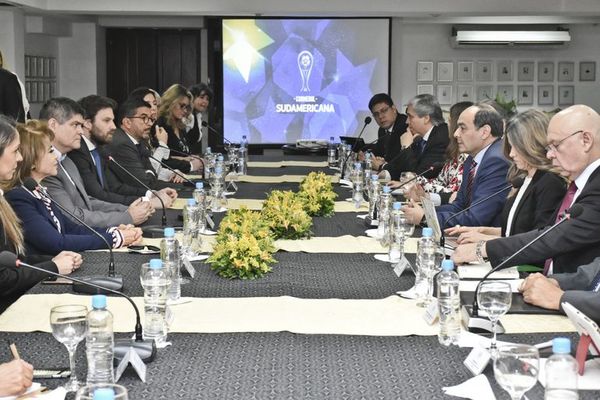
[134,140]
[479,156]
[60,156]
[426,136]
[91,145]
[582,179]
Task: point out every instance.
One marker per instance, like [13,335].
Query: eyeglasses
[184,106]
[145,119]
[554,146]
[376,114]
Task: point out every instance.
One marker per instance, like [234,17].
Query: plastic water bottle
[385,212]
[103,394]
[448,296]
[200,197]
[368,167]
[209,159]
[190,228]
[374,191]
[357,185]
[397,237]
[426,267]
[331,152]
[99,342]
[217,190]
[561,372]
[156,283]
[243,156]
[171,260]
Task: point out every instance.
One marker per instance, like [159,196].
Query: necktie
[566,203]
[595,283]
[470,180]
[421,146]
[98,163]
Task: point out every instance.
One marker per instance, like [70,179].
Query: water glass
[495,299]
[69,326]
[516,369]
[87,392]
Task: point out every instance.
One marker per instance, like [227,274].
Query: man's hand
[161,135]
[172,193]
[377,162]
[465,253]
[140,211]
[407,138]
[176,178]
[197,164]
[15,377]
[131,236]
[541,291]
[416,192]
[67,262]
[361,155]
[414,213]
[168,200]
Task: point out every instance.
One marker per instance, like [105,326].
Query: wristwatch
[480,258]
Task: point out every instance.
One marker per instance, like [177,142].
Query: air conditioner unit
[518,37]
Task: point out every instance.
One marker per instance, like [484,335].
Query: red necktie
[470,180]
[566,203]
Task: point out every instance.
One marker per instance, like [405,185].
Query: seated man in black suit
[91,157]
[392,125]
[574,148]
[425,141]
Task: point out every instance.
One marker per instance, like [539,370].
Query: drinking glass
[87,392]
[69,325]
[516,369]
[495,299]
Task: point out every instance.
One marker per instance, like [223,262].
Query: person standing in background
[13,102]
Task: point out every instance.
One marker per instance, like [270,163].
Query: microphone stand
[367,122]
[179,174]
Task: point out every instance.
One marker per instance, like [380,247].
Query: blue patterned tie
[96,156]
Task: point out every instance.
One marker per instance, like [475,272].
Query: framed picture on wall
[33,92]
[505,70]
[425,89]
[566,71]
[506,92]
[465,93]
[566,95]
[483,71]
[46,67]
[27,67]
[445,71]
[546,95]
[525,71]
[525,95]
[424,71]
[444,94]
[546,71]
[52,67]
[587,71]
[465,71]
[485,92]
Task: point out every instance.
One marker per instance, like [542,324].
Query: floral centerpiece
[284,213]
[316,192]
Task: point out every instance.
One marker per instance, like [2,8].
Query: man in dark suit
[11,97]
[91,157]
[392,125]
[425,141]
[574,148]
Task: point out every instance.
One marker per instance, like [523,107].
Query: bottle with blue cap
[448,297]
[561,372]
[103,394]
[155,283]
[171,261]
[384,209]
[331,153]
[209,163]
[426,268]
[357,185]
[99,342]
[191,237]
[200,197]
[217,189]
[374,191]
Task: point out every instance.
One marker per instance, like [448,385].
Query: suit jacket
[40,230]
[577,289]
[388,145]
[11,99]
[14,282]
[490,177]
[541,198]
[123,194]
[413,160]
[175,143]
[573,243]
[194,135]
[74,197]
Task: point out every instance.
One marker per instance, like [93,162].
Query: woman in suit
[532,205]
[203,96]
[16,281]
[46,229]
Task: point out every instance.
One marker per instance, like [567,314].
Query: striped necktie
[470,180]
[566,203]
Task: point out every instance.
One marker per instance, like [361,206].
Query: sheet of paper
[478,271]
[477,388]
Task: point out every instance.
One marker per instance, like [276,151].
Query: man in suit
[580,289]
[65,119]
[91,157]
[392,125]
[574,148]
[425,141]
[11,96]
[478,134]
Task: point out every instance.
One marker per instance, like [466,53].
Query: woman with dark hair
[16,281]
[46,229]
[203,97]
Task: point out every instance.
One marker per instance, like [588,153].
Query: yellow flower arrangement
[284,213]
[316,192]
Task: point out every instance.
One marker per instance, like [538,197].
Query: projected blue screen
[290,79]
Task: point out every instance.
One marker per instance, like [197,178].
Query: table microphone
[111,281]
[150,230]
[179,174]
[146,349]
[206,125]
[473,318]
[366,122]
[414,178]
[386,134]
[181,153]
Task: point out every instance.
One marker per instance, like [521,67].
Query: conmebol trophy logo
[305,65]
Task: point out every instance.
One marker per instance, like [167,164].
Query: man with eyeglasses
[574,148]
[392,125]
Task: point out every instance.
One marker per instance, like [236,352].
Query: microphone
[366,122]
[206,125]
[386,134]
[150,230]
[181,153]
[189,181]
[516,182]
[473,319]
[111,281]
[431,168]
[146,349]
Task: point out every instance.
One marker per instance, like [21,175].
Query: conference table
[321,325]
